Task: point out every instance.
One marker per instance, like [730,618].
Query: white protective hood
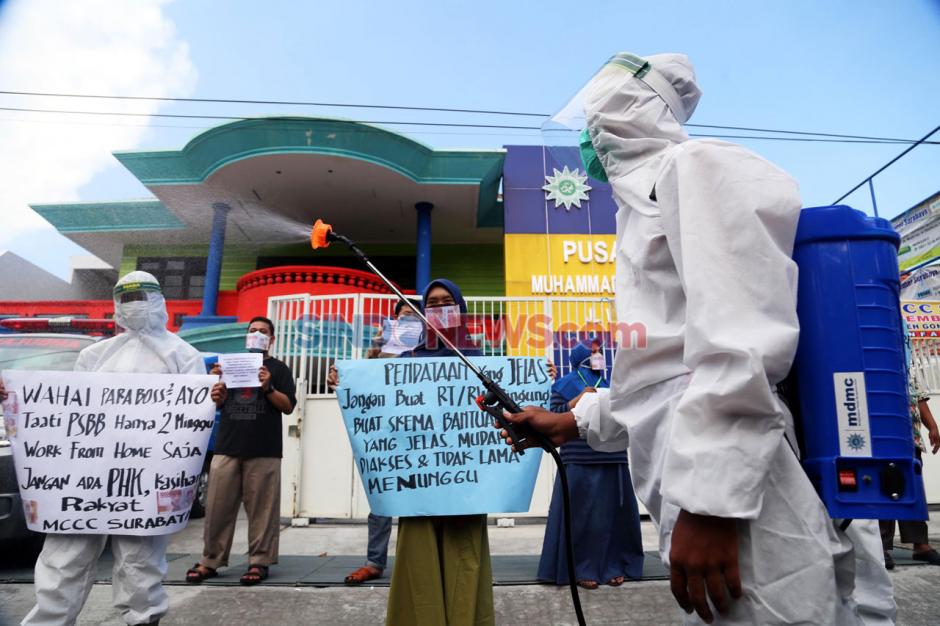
[145,346]
[635,117]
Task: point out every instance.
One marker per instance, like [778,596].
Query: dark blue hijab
[459,336]
[580,376]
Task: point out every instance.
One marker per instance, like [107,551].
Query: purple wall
[525,207]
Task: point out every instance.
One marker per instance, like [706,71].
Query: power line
[809,139]
[920,141]
[797,132]
[241,117]
[439,124]
[412,108]
[417,132]
[203,128]
[274,102]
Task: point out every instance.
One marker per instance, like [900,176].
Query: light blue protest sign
[421,444]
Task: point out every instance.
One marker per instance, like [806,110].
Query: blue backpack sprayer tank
[850,395]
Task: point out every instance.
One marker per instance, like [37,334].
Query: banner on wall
[920,245]
[116,454]
[922,317]
[922,284]
[919,228]
[421,444]
[917,216]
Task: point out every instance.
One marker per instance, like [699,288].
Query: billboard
[919,228]
[922,317]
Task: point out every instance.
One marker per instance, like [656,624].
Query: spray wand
[494,401]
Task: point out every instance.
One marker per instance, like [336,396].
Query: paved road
[633,604]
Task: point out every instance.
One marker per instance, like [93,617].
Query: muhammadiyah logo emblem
[567,188]
[856,441]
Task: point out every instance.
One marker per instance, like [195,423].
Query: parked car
[32,351]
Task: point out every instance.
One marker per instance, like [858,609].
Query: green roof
[243,139]
[85,217]
[213,149]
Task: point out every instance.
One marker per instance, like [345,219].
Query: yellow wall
[560,265]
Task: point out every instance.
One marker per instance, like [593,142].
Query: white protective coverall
[706,267]
[66,568]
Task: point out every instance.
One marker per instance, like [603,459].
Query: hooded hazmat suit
[66,568]
[705,231]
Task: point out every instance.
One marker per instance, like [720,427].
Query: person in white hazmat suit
[705,231]
[65,570]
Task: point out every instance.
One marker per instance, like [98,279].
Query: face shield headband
[121,289]
[139,306]
[643,70]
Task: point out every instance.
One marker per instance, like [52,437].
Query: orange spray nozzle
[318,235]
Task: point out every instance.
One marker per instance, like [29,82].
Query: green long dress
[442,574]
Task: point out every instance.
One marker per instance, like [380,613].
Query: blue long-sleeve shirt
[578,451]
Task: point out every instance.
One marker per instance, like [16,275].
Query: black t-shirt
[250,426]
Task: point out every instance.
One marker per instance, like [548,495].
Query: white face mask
[598,362]
[406,330]
[257,342]
[443,316]
[402,334]
[135,314]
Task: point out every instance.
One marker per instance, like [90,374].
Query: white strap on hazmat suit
[705,231]
[66,568]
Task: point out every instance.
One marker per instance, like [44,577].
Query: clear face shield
[566,135]
[139,305]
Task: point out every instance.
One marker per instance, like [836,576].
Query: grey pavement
[639,603]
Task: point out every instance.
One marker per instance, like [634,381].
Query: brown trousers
[256,482]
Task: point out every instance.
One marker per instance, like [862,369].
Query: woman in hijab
[442,573]
[605,521]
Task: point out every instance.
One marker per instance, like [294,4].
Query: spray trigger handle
[520,434]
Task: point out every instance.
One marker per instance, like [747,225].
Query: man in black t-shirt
[246,466]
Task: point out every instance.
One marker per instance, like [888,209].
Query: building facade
[228,224]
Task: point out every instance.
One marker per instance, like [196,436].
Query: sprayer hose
[569,544]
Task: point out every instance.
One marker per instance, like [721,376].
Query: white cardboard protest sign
[241,369]
[116,454]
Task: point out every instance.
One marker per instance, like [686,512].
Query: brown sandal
[616,581]
[364,573]
[198,573]
[588,584]
[254,575]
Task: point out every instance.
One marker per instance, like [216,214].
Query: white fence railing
[925,360]
[311,332]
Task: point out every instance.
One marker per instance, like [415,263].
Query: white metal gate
[284,311]
[311,332]
[925,360]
